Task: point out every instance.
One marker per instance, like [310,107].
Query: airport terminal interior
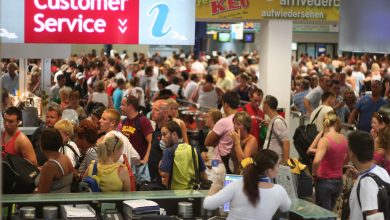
[195,109]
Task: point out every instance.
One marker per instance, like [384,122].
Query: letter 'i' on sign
[82,21]
[161,11]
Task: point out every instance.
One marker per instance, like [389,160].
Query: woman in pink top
[330,148]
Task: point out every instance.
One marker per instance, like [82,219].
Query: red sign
[82,21]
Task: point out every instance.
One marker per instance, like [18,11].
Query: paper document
[140,203]
[80,210]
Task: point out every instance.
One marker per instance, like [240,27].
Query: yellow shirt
[107,176]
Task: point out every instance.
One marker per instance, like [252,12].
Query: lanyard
[265,180]
[367,171]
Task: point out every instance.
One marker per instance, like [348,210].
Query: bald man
[160,116]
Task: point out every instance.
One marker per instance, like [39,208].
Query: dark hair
[305,84]
[327,95]
[132,100]
[51,139]
[87,130]
[4,95]
[194,77]
[263,160]
[148,69]
[184,74]
[12,110]
[272,102]
[175,80]
[209,78]
[172,126]
[257,91]
[120,82]
[95,108]
[232,99]
[72,63]
[362,145]
[382,117]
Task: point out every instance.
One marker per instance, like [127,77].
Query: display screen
[249,37]
[224,37]
[365,26]
[228,179]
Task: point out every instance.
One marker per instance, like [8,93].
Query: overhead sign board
[302,10]
[99,21]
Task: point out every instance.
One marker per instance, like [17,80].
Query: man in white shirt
[10,80]
[328,99]
[191,86]
[361,153]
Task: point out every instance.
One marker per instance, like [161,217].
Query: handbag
[196,183]
[133,184]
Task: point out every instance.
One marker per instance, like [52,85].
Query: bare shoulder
[22,140]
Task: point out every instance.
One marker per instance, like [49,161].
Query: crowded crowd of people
[103,110]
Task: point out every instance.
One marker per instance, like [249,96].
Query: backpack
[383,194]
[89,183]
[74,152]
[18,175]
[303,137]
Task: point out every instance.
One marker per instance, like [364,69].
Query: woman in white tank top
[208,95]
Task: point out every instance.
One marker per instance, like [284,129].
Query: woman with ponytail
[112,176]
[255,195]
[330,149]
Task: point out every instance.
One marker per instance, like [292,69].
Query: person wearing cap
[55,90]
[366,106]
[81,86]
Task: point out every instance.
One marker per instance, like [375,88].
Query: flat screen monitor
[228,179]
[223,37]
[364,26]
[249,37]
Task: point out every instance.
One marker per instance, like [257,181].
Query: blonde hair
[244,119]
[331,119]
[215,114]
[113,115]
[107,147]
[375,67]
[65,91]
[65,126]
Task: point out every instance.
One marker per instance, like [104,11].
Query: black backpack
[383,194]
[18,175]
[303,137]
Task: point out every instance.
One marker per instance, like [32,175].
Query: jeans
[327,192]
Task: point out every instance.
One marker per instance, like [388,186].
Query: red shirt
[9,147]
[136,130]
[255,130]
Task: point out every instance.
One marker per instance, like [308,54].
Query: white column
[46,75]
[275,61]
[22,76]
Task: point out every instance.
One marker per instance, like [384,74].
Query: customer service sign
[305,10]
[99,21]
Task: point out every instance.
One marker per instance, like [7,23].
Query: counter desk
[300,209]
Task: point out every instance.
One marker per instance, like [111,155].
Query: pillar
[275,61]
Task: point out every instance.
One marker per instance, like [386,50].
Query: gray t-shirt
[279,134]
[314,96]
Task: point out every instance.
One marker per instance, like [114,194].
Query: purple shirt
[223,128]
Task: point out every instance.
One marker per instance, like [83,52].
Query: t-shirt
[178,162]
[279,134]
[271,200]
[368,193]
[136,130]
[117,98]
[225,83]
[189,89]
[366,107]
[319,122]
[314,96]
[256,116]
[11,85]
[223,128]
[298,100]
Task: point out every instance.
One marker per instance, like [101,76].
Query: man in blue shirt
[366,106]
[118,94]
